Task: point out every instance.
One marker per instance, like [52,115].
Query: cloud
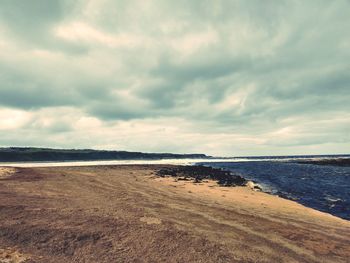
[30,20]
[225,78]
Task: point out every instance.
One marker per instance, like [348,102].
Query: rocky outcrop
[254,186]
[200,173]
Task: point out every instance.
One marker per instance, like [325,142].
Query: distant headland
[33,154]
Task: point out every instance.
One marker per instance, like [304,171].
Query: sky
[225,78]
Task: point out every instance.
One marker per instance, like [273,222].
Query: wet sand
[128,214]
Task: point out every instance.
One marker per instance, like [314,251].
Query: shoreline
[66,214]
[6,171]
[334,204]
[205,188]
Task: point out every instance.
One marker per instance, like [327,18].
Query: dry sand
[127,214]
[6,172]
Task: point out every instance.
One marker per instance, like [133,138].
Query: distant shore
[328,161]
[32,154]
[128,213]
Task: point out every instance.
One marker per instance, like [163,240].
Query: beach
[128,213]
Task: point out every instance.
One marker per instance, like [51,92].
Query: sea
[322,187]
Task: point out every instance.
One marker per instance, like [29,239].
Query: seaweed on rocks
[200,173]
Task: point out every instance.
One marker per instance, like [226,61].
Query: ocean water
[322,187]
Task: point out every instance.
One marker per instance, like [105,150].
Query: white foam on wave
[160,161]
[114,162]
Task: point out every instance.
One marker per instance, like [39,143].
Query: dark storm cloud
[31,19]
[21,90]
[25,91]
[30,22]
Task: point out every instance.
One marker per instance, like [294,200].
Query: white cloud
[192,42]
[82,32]
[11,119]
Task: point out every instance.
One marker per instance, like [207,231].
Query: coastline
[100,212]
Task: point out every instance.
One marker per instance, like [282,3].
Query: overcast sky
[218,77]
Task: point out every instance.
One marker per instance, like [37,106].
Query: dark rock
[200,173]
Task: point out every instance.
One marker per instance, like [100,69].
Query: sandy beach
[127,213]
